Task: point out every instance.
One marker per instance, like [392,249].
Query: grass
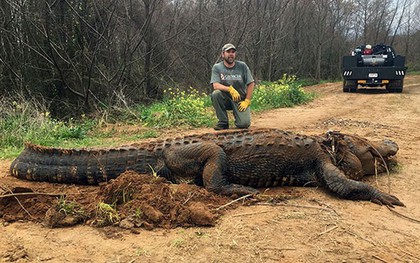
[178,108]
[23,119]
[285,92]
[71,208]
[106,214]
[122,194]
[27,120]
[414,72]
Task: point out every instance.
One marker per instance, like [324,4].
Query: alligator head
[357,156]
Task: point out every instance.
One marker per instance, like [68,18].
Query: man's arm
[243,105]
[218,86]
[251,83]
[215,80]
[232,91]
[249,90]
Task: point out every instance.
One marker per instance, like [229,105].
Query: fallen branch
[252,213]
[359,236]
[407,253]
[300,206]
[380,259]
[328,230]
[278,248]
[29,193]
[403,216]
[234,201]
[324,204]
[17,200]
[323,232]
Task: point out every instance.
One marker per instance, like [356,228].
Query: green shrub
[27,120]
[282,93]
[178,108]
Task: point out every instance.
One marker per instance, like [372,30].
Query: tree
[83,56]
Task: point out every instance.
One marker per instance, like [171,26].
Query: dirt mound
[28,206]
[149,202]
[132,200]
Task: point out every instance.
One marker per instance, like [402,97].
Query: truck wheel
[389,88]
[395,86]
[345,88]
[349,86]
[398,86]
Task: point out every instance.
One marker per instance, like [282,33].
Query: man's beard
[229,60]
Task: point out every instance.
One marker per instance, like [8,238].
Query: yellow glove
[243,105]
[235,95]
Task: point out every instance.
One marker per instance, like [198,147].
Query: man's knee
[243,124]
[216,94]
[220,101]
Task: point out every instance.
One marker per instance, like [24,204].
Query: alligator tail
[79,166]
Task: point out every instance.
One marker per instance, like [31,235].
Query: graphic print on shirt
[230,77]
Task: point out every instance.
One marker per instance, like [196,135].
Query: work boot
[219,127]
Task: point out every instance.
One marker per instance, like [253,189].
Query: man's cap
[368,46]
[227,47]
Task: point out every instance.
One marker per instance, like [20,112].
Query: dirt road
[314,227]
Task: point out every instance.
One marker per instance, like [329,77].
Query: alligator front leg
[208,160]
[335,181]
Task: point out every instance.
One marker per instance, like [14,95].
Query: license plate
[373,75]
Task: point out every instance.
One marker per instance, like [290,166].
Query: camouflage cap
[227,47]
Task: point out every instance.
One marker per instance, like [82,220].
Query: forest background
[80,57]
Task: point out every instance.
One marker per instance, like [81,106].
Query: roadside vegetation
[23,120]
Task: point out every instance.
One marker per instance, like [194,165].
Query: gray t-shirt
[239,76]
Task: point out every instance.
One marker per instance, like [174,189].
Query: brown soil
[160,222]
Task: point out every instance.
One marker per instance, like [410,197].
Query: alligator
[233,162]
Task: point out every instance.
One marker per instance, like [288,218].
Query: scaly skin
[230,162]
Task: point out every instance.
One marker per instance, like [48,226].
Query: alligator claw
[386,199]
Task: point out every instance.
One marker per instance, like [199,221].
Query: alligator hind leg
[205,159]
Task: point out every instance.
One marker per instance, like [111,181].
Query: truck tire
[395,86]
[399,86]
[349,86]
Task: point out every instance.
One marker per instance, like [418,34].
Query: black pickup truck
[377,68]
